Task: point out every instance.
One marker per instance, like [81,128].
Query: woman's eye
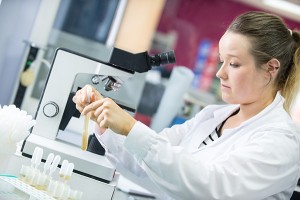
[234,65]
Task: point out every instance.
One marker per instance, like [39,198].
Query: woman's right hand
[81,100]
[104,111]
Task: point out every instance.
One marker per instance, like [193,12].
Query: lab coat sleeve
[117,154]
[266,165]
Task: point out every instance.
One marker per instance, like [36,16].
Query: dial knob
[51,109]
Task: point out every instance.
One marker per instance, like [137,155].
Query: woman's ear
[273,66]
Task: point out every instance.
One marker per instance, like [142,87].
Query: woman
[247,149]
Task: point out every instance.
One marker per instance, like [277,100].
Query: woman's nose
[221,73]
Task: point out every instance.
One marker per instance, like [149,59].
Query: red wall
[195,20]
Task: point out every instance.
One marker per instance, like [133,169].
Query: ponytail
[291,86]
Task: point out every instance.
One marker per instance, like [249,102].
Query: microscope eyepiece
[162,58]
[140,62]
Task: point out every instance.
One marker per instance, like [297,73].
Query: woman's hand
[109,115]
[81,100]
[104,111]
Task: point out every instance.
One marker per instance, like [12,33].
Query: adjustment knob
[51,109]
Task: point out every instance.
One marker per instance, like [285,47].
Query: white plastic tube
[63,169]
[69,171]
[54,164]
[38,158]
[172,99]
[48,162]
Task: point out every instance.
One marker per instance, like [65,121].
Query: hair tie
[291,32]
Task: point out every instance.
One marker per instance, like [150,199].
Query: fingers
[92,107]
[78,102]
[102,109]
[102,121]
[79,108]
[107,114]
[79,97]
[83,95]
[101,105]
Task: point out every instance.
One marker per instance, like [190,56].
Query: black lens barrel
[163,58]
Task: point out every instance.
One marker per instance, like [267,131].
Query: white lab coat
[257,160]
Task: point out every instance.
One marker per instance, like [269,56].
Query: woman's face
[241,81]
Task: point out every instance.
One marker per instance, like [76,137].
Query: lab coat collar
[222,113]
[276,104]
[208,126]
[227,111]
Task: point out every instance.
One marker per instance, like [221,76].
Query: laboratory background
[51,48]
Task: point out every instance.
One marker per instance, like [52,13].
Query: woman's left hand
[109,115]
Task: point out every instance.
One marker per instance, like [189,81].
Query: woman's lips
[224,86]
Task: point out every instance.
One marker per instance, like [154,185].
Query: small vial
[41,184]
[23,171]
[52,188]
[75,195]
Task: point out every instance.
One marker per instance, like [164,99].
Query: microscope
[69,72]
